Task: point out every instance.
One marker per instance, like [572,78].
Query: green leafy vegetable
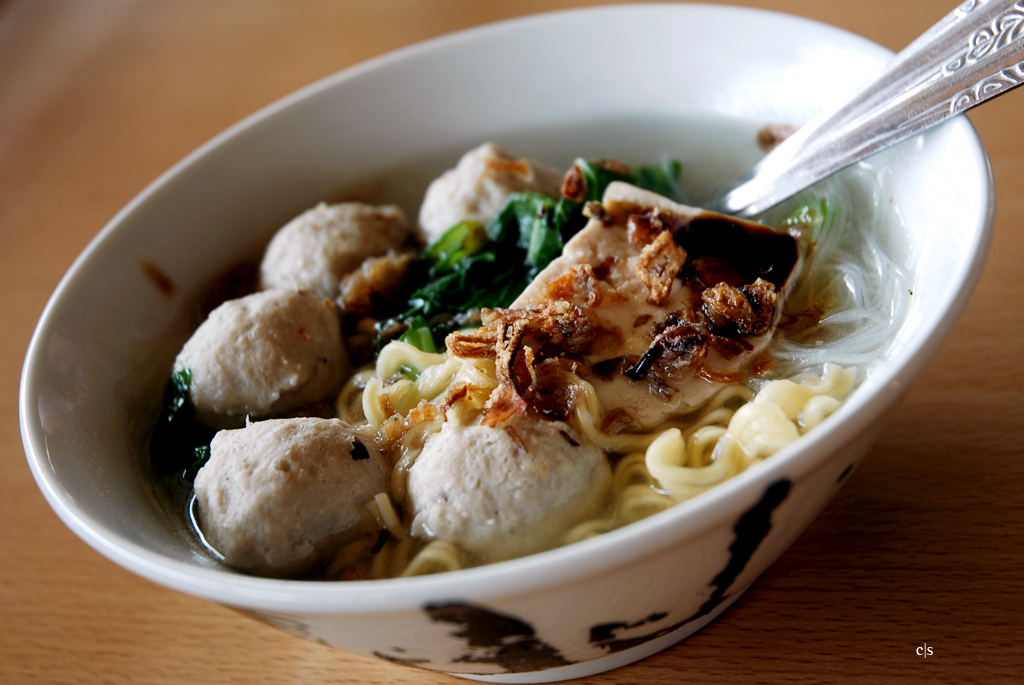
[462,240]
[202,455]
[409,371]
[663,179]
[528,216]
[595,177]
[599,176]
[179,437]
[419,336]
[815,216]
[176,395]
[473,266]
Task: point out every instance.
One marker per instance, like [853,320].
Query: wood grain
[925,543]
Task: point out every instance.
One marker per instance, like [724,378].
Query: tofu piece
[279,495]
[478,186]
[507,491]
[264,354]
[318,248]
[645,269]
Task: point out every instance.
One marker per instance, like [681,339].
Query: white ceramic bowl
[631,82]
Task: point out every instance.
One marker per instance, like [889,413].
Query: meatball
[478,186]
[316,249]
[264,354]
[505,492]
[279,495]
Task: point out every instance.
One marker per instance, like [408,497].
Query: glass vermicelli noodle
[545,370]
[851,274]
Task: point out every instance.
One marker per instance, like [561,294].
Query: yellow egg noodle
[681,459]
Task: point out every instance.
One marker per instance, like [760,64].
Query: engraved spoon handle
[973,54]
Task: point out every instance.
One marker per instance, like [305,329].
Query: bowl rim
[550,568]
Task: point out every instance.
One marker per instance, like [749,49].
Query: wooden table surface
[924,544]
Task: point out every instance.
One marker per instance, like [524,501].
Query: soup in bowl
[886,255]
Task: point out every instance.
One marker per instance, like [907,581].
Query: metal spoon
[975,53]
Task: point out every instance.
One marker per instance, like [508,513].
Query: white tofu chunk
[653,267]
